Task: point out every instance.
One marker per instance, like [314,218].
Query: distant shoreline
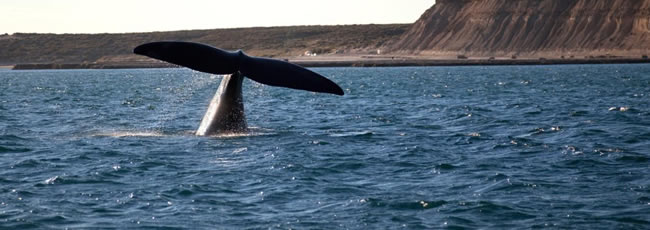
[356,62]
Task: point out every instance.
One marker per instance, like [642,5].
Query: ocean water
[405,148]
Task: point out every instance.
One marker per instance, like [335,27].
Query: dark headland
[451,32]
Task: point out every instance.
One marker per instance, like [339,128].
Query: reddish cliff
[530,27]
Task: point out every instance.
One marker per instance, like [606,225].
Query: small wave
[11,138]
[4,149]
[524,141]
[404,205]
[28,163]
[239,150]
[444,166]
[129,134]
[474,134]
[499,184]
[620,109]
[252,132]
[579,113]
[583,163]
[51,180]
[105,178]
[353,134]
[232,135]
[633,159]
[319,142]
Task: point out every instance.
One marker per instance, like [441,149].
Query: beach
[360,61]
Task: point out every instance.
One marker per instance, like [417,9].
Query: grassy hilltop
[262,41]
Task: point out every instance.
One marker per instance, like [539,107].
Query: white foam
[130,134]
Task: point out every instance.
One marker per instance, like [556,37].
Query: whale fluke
[208,59]
[225,114]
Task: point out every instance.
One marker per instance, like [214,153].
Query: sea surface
[503,147]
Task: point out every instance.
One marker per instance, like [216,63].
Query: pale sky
[118,16]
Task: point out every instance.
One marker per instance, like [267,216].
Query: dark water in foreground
[413,148]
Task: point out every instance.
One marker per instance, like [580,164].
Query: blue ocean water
[405,148]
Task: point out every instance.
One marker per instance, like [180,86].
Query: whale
[225,113]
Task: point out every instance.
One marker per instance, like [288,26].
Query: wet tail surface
[213,60]
[225,113]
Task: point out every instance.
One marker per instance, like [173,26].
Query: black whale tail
[267,71]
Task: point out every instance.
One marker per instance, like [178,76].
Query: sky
[123,16]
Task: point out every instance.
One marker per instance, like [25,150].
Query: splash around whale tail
[208,59]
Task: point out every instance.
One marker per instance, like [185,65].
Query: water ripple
[416,148]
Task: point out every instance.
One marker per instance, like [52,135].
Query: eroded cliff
[530,27]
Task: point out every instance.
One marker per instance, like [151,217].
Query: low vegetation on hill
[591,30]
[262,41]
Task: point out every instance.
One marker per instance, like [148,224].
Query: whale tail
[208,59]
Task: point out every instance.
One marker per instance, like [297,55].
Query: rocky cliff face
[530,27]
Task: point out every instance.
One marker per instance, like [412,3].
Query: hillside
[543,28]
[264,41]
[481,29]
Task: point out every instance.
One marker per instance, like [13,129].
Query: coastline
[397,62]
[364,61]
